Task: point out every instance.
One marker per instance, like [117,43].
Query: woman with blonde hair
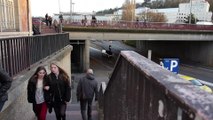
[60,90]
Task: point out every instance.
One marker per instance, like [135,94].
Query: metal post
[59,6]
[150,54]
[70,11]
[73,10]
[190,12]
[40,21]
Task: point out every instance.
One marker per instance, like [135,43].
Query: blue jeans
[1,105]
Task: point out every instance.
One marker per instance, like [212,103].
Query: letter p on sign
[171,64]
[174,64]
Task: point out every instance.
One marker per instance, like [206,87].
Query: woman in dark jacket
[5,83]
[38,92]
[60,90]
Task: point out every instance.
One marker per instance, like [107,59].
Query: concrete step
[73,113]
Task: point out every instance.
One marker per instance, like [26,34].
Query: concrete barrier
[17,107]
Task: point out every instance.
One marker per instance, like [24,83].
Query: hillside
[154,4]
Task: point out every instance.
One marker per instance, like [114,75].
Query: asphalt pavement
[200,72]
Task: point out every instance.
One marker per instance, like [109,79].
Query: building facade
[15,17]
[169,13]
[200,9]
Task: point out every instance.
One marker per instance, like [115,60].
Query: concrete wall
[188,51]
[17,107]
[180,36]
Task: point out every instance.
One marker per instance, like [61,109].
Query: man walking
[5,83]
[46,19]
[87,88]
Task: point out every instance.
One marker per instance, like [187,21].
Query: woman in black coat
[5,84]
[60,90]
[38,92]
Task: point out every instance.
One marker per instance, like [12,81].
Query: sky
[41,7]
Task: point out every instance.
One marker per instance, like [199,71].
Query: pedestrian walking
[46,19]
[85,21]
[5,84]
[38,92]
[86,90]
[50,21]
[55,23]
[60,90]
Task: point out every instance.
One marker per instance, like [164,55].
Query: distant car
[196,82]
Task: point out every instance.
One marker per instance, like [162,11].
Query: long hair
[62,74]
[35,75]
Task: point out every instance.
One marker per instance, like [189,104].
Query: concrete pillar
[150,54]
[87,55]
[29,17]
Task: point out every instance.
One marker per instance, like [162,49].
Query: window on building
[7,19]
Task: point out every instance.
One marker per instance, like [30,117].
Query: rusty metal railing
[141,90]
[19,53]
[142,25]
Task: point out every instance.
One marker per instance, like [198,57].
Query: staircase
[46,29]
[73,113]
[73,109]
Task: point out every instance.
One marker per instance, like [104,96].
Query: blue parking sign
[171,64]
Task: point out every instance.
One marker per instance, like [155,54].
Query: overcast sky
[41,7]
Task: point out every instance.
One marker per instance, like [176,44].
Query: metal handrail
[19,53]
[143,25]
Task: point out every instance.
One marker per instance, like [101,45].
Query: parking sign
[171,64]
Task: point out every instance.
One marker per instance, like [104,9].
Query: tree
[153,17]
[193,19]
[129,10]
[167,3]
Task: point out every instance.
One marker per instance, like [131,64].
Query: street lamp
[190,12]
[73,9]
[59,6]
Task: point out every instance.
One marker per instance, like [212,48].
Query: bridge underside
[189,48]
[188,52]
[141,36]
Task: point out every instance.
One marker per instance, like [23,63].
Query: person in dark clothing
[94,21]
[50,21]
[109,52]
[46,19]
[60,90]
[5,84]
[61,18]
[85,20]
[86,90]
[38,92]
